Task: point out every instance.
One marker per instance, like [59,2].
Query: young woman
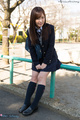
[43,61]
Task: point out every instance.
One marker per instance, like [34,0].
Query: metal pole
[11,71]
[52,85]
[24,55]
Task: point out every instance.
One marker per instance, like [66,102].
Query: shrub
[59,40]
[11,38]
[0,37]
[78,39]
[21,39]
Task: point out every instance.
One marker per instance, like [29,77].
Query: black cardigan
[48,49]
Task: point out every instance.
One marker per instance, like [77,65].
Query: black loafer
[29,111]
[24,107]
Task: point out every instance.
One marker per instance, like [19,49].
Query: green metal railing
[52,82]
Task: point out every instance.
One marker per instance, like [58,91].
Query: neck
[38,27]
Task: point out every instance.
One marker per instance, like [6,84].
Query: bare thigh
[42,77]
[34,76]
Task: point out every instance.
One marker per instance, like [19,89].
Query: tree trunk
[25,22]
[5,42]
[6,24]
[14,33]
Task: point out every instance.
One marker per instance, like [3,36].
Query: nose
[40,19]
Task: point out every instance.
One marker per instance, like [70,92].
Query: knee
[40,78]
[34,79]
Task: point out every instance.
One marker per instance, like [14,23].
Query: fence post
[52,85]
[11,71]
[24,55]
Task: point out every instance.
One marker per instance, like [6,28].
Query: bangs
[38,15]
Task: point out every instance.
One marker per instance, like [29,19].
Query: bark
[14,33]
[6,25]
[5,43]
[2,4]
[15,5]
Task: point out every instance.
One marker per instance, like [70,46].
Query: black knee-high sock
[30,91]
[39,93]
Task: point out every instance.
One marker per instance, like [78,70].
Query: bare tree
[22,16]
[6,23]
[58,15]
[15,26]
[26,16]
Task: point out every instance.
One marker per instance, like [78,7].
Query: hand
[43,65]
[38,66]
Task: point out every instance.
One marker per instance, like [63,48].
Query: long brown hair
[35,14]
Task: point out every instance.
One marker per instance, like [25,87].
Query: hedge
[19,39]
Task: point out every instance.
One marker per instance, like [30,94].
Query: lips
[40,24]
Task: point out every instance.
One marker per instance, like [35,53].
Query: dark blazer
[48,50]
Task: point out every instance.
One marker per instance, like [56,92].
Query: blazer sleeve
[50,50]
[32,51]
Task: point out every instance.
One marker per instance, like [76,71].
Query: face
[40,21]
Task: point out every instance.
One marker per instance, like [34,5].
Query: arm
[50,51]
[32,51]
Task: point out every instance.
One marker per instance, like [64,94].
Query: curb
[47,102]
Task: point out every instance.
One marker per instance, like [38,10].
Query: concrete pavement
[10,104]
[67,88]
[67,85]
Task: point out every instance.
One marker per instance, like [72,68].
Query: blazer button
[44,52]
[49,61]
[42,45]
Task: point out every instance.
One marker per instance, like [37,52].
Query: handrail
[63,66]
[70,67]
[15,58]
[52,83]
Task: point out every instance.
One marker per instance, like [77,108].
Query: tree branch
[15,5]
[2,4]
[1,10]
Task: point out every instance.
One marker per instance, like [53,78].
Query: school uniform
[49,55]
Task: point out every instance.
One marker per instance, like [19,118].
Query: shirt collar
[39,29]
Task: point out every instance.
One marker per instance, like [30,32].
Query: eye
[43,17]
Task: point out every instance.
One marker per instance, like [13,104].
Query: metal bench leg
[11,72]
[52,85]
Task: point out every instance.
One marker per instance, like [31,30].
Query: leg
[31,87]
[42,78]
[40,90]
[34,76]
[30,91]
